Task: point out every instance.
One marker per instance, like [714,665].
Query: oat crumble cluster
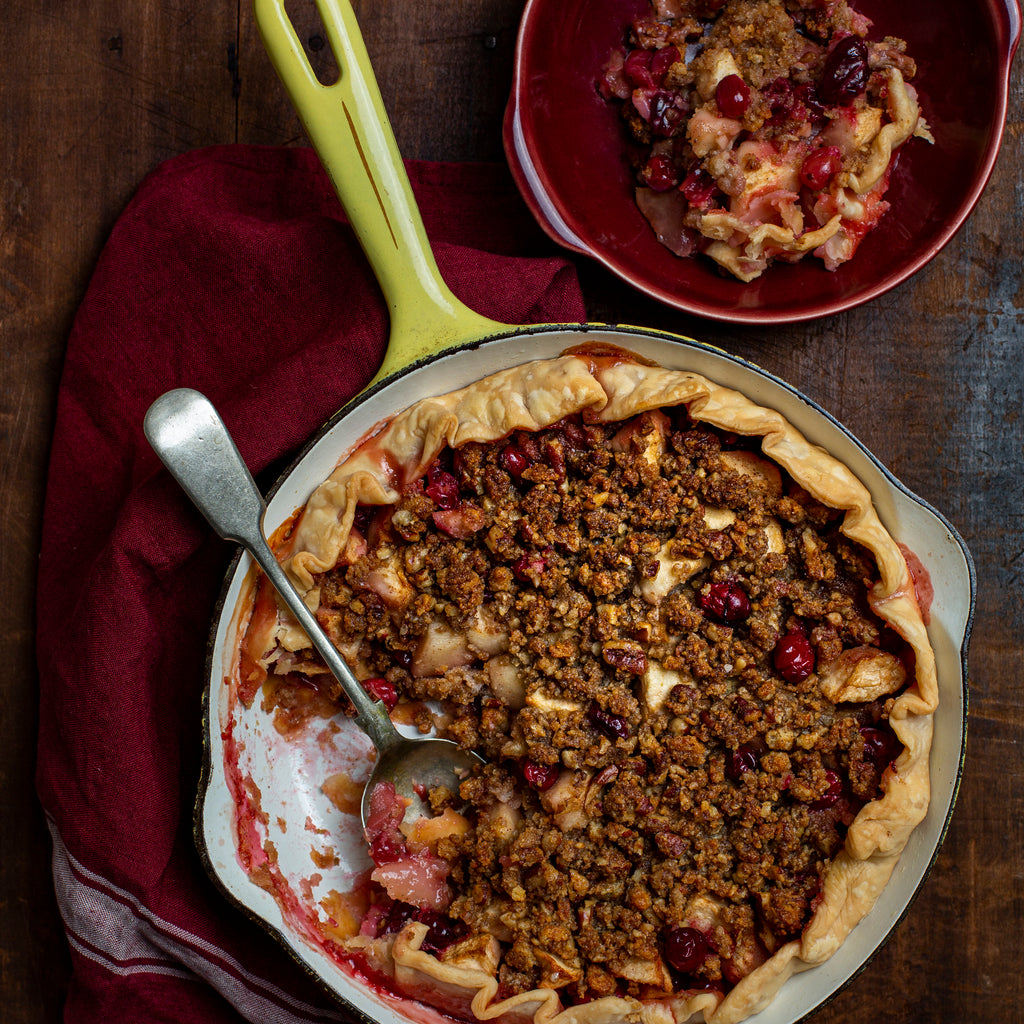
[639,626]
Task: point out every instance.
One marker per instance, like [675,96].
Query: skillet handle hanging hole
[308,25]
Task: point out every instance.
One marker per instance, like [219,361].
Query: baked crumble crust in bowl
[579,172]
[706,750]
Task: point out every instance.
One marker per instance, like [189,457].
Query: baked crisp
[764,129]
[694,664]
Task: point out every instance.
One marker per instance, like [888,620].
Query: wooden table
[93,96]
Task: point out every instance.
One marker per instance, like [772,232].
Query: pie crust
[609,386]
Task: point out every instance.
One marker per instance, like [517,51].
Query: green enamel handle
[350,131]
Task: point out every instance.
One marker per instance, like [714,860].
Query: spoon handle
[194,444]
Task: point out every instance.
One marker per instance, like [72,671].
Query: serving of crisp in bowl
[758,161]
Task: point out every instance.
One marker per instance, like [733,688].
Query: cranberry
[575,438]
[615,727]
[660,173]
[831,795]
[698,187]
[403,658]
[727,602]
[806,94]
[637,69]
[629,658]
[846,72]
[540,776]
[514,460]
[529,566]
[442,931]
[386,847]
[662,60]
[666,118]
[779,96]
[685,949]
[794,657]
[380,689]
[732,95]
[646,69]
[395,918]
[821,167]
[363,517]
[739,762]
[442,487]
[880,745]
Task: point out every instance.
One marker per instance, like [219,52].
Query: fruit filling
[762,130]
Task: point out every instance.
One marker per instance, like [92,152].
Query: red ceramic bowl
[566,149]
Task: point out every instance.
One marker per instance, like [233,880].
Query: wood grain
[930,376]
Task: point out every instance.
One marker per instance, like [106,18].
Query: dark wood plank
[92,97]
[929,376]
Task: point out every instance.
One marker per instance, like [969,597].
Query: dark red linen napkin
[232,271]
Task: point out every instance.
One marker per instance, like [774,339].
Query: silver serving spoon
[194,444]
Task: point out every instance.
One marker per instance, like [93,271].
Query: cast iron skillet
[437,345]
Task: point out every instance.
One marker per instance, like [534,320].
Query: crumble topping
[600,610]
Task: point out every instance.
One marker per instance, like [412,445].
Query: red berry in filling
[363,516]
[726,601]
[806,94]
[615,727]
[794,657]
[846,72]
[646,69]
[514,460]
[666,118]
[442,931]
[637,69]
[380,689]
[662,60]
[831,795]
[732,95]
[528,566]
[442,487]
[880,745]
[698,187]
[540,776]
[386,848]
[685,949]
[574,438]
[779,96]
[395,918]
[660,173]
[821,167]
[739,762]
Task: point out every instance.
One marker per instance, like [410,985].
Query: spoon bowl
[193,442]
[416,766]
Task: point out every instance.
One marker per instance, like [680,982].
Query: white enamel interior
[289,774]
